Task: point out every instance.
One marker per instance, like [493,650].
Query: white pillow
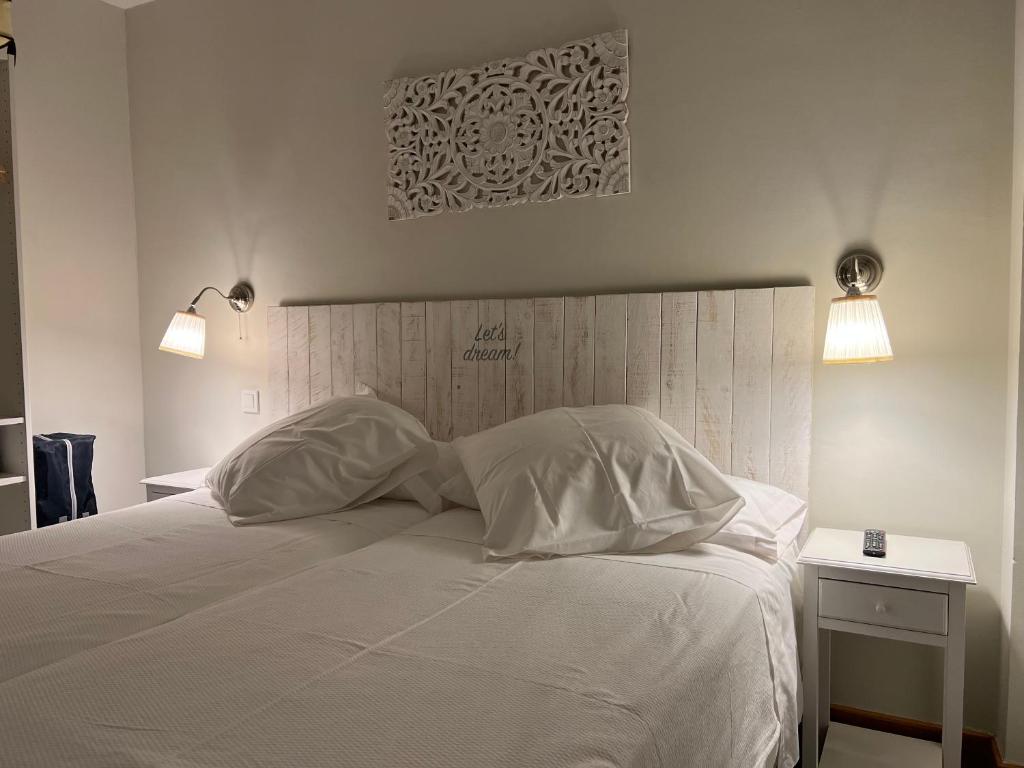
[459,490]
[425,487]
[333,456]
[768,522]
[609,478]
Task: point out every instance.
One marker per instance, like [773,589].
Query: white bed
[79,585]
[413,651]
[161,637]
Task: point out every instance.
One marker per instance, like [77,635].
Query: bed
[381,636]
[80,585]
[412,651]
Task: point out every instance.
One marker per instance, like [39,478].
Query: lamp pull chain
[239,315]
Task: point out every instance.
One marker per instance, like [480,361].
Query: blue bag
[64,490]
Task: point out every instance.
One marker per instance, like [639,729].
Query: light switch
[250,401]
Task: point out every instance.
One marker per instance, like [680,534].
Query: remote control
[874,542]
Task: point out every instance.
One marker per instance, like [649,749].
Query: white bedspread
[85,583]
[415,652]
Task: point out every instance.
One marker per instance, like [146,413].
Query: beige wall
[76,210]
[766,137]
[1011,715]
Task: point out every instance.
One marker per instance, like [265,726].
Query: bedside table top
[190,479]
[905,555]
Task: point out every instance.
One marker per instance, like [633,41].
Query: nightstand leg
[953,686]
[824,683]
[816,652]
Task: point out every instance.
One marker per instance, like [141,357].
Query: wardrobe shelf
[17,500]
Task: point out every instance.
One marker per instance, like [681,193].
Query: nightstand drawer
[883,606]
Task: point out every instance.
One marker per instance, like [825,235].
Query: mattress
[79,585]
[413,651]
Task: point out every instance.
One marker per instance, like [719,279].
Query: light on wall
[856,330]
[186,335]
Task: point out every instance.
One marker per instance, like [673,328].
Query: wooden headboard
[731,370]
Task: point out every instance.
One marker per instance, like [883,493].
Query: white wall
[766,138]
[76,209]
[1011,715]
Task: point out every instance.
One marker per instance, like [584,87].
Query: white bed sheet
[84,583]
[414,652]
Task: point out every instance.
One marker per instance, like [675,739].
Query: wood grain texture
[414,358]
[491,371]
[715,327]
[298,358]
[792,359]
[277,354]
[364,339]
[389,353]
[320,372]
[548,334]
[439,370]
[519,370]
[679,362]
[752,384]
[643,351]
[578,351]
[730,370]
[610,349]
[465,373]
[343,364]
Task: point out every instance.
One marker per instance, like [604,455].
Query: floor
[850,747]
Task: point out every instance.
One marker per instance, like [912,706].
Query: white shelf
[12,421]
[11,479]
[851,747]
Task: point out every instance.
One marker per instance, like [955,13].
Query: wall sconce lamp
[186,335]
[856,330]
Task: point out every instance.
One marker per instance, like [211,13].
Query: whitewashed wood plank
[679,362]
[389,353]
[465,371]
[714,377]
[643,351]
[343,371]
[414,358]
[519,368]
[792,365]
[660,341]
[752,384]
[491,341]
[578,362]
[610,349]
[439,370]
[319,354]
[548,332]
[298,359]
[364,345]
[277,354]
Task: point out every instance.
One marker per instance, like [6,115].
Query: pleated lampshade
[186,335]
[856,331]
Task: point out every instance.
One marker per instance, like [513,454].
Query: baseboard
[980,749]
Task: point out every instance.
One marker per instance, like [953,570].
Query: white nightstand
[915,593]
[159,486]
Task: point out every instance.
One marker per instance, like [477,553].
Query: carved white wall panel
[548,125]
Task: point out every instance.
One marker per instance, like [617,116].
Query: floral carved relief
[548,125]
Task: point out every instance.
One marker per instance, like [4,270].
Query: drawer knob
[880,607]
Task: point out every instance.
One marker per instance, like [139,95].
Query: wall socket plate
[250,401]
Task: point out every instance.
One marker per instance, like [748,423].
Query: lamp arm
[240,297]
[192,304]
